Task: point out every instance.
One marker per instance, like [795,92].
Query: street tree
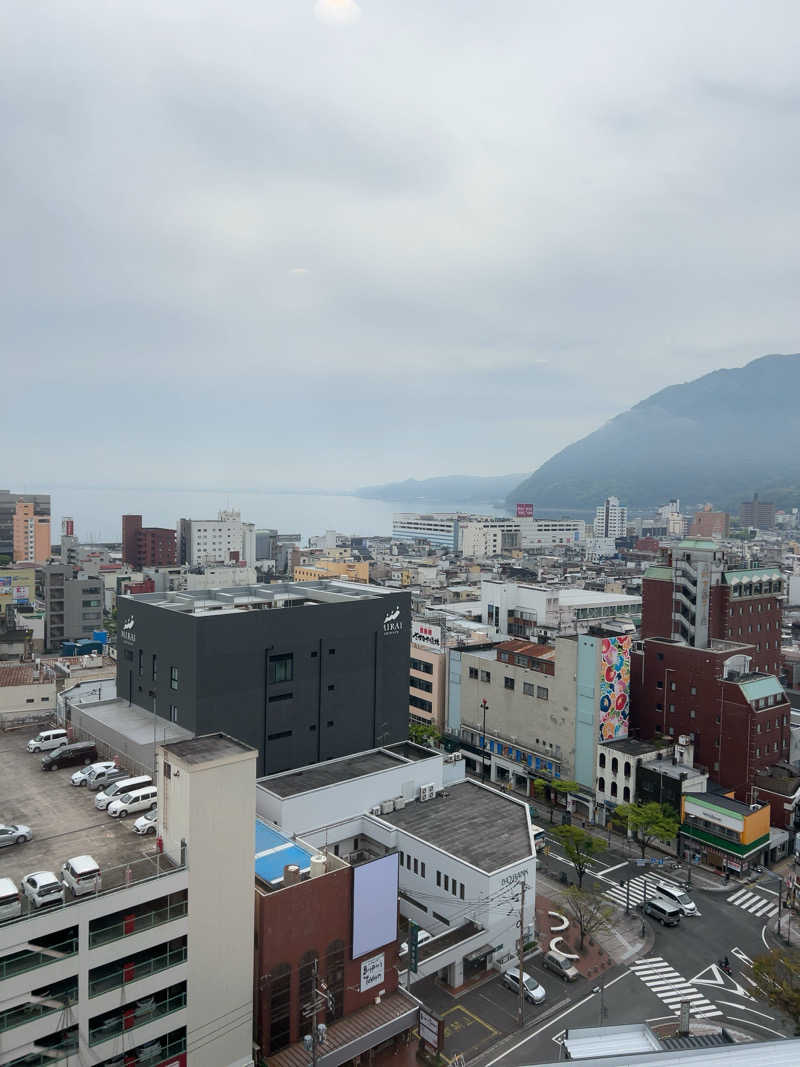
[649,822]
[579,847]
[777,975]
[589,911]
[422,734]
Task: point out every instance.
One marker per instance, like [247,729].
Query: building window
[601,785]
[408,861]
[659,684]
[281,668]
[672,708]
[626,795]
[421,683]
[613,789]
[508,683]
[486,676]
[155,666]
[439,878]
[542,692]
[627,769]
[141,662]
[528,689]
[693,690]
[279,736]
[461,890]
[673,686]
[473,672]
[422,868]
[692,714]
[174,677]
[173,713]
[446,882]
[601,760]
[614,765]
[454,888]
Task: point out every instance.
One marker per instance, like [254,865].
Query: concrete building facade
[147,546]
[74,606]
[10,529]
[302,672]
[611,519]
[225,539]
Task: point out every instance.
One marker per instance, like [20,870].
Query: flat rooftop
[64,821]
[473,823]
[319,775]
[260,596]
[274,851]
[207,748]
[591,598]
[631,746]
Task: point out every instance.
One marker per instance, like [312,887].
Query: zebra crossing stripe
[738,895]
[663,980]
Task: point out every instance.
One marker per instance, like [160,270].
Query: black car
[68,755]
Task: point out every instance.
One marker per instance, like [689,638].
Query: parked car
[47,739]
[81,777]
[100,779]
[133,801]
[82,875]
[41,888]
[118,787]
[147,823]
[10,903]
[69,755]
[14,834]
[560,965]
[422,937]
[532,990]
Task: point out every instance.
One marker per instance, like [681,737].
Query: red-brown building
[708,523]
[147,546]
[310,920]
[708,661]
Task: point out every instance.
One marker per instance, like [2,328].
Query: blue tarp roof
[274,850]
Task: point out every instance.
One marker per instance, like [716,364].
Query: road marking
[721,980]
[753,903]
[761,1026]
[550,1022]
[743,1007]
[663,980]
[766,946]
[608,870]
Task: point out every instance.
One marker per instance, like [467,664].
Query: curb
[508,1040]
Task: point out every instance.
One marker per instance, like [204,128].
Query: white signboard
[371,972]
[426,634]
[429,1028]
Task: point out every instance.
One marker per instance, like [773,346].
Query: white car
[81,777]
[14,834]
[147,823]
[42,887]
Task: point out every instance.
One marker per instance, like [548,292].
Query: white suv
[82,776]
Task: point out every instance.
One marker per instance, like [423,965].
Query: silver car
[14,834]
[82,776]
[147,823]
[42,887]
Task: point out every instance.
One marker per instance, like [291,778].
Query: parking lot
[63,819]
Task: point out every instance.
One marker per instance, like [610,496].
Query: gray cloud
[524,218]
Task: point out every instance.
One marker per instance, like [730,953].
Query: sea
[97,512]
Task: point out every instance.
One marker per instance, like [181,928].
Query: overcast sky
[282,242]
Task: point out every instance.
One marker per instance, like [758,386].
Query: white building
[225,539]
[488,537]
[611,519]
[548,532]
[459,877]
[143,969]
[438,529]
[531,611]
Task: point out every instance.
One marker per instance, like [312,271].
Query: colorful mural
[615,687]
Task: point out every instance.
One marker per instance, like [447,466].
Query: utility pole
[320,996]
[521,1008]
[644,906]
[484,709]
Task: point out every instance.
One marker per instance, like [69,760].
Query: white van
[116,789]
[10,903]
[47,739]
[82,875]
[422,938]
[133,800]
[678,896]
[667,913]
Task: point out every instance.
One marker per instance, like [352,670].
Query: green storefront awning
[723,844]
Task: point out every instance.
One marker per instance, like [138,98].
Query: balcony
[39,1003]
[139,1013]
[142,917]
[141,965]
[40,952]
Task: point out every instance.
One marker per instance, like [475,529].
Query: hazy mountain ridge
[461,487]
[718,438]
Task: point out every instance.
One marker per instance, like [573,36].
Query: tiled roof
[22,674]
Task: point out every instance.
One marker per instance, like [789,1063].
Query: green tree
[579,847]
[649,822]
[4,560]
[420,733]
[777,975]
[564,785]
[589,911]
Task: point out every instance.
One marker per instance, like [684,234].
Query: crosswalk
[618,892]
[670,987]
[753,903]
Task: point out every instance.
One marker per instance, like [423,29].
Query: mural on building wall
[615,685]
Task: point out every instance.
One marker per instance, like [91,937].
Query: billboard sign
[371,972]
[430,1028]
[375,904]
[615,684]
[426,634]
[524,511]
[413,947]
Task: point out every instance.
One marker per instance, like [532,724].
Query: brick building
[707,664]
[708,523]
[147,546]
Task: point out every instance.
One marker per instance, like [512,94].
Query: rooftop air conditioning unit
[376,810]
[427,792]
[387,806]
[399,803]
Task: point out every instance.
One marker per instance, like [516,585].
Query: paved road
[682,965]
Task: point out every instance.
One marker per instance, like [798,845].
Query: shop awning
[479,953]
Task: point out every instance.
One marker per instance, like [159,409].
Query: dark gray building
[74,605]
[302,671]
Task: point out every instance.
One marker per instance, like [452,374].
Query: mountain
[461,488]
[719,438]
